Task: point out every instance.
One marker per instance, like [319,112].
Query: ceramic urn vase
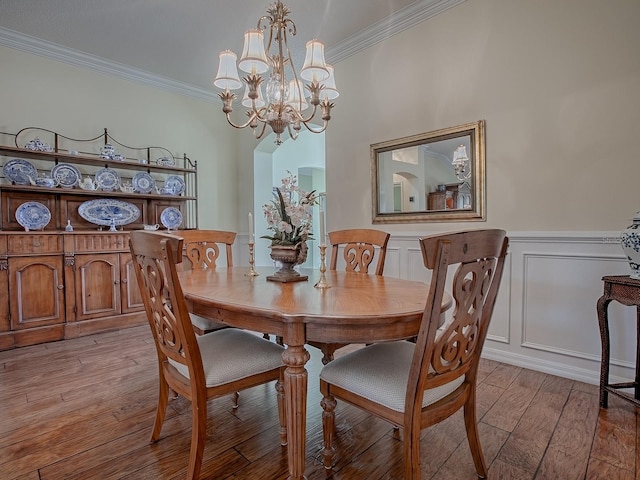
[289,256]
[630,241]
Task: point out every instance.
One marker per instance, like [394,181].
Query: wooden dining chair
[416,385]
[197,367]
[203,249]
[359,247]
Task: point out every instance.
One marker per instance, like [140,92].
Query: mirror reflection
[434,176]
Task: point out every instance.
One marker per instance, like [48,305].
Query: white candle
[251,237]
[322,232]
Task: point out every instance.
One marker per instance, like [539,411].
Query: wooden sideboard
[64,285]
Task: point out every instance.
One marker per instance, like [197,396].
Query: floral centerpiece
[289,217]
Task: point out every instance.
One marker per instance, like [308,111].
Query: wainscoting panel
[499,330]
[559,307]
[392,262]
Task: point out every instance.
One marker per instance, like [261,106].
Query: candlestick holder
[322,283]
[252,261]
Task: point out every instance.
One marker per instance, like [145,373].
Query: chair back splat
[359,246]
[414,386]
[202,247]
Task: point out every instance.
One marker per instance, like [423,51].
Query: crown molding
[27,43]
[395,23]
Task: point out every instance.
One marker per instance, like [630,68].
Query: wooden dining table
[357,308]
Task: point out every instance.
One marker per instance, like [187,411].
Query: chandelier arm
[325,124]
[259,136]
[251,118]
[310,117]
[293,135]
[265,18]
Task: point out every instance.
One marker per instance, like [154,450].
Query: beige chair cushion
[380,372]
[231,354]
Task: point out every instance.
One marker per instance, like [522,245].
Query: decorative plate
[107,179]
[67,175]
[174,184]
[108,211]
[171,218]
[19,171]
[33,215]
[166,161]
[143,182]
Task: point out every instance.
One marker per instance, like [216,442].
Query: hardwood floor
[83,409]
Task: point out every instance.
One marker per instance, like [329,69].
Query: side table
[626,291]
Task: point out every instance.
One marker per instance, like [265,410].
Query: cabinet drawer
[33,244]
[99,242]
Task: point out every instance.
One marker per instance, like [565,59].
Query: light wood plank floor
[83,409]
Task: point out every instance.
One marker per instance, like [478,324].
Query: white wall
[556,82]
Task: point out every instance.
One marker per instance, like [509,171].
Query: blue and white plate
[107,179]
[19,171]
[67,175]
[109,211]
[143,182]
[174,184]
[166,161]
[171,218]
[33,216]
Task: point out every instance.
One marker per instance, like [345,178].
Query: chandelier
[286,99]
[460,163]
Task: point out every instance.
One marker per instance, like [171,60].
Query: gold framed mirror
[431,177]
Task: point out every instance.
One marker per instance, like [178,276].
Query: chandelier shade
[329,91]
[314,68]
[253,58]
[296,97]
[247,102]
[286,95]
[227,77]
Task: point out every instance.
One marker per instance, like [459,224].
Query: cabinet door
[130,293]
[36,291]
[97,282]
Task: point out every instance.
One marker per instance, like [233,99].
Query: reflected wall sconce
[460,163]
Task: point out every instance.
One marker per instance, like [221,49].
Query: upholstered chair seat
[380,373]
[225,359]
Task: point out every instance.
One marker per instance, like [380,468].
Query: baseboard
[546,366]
